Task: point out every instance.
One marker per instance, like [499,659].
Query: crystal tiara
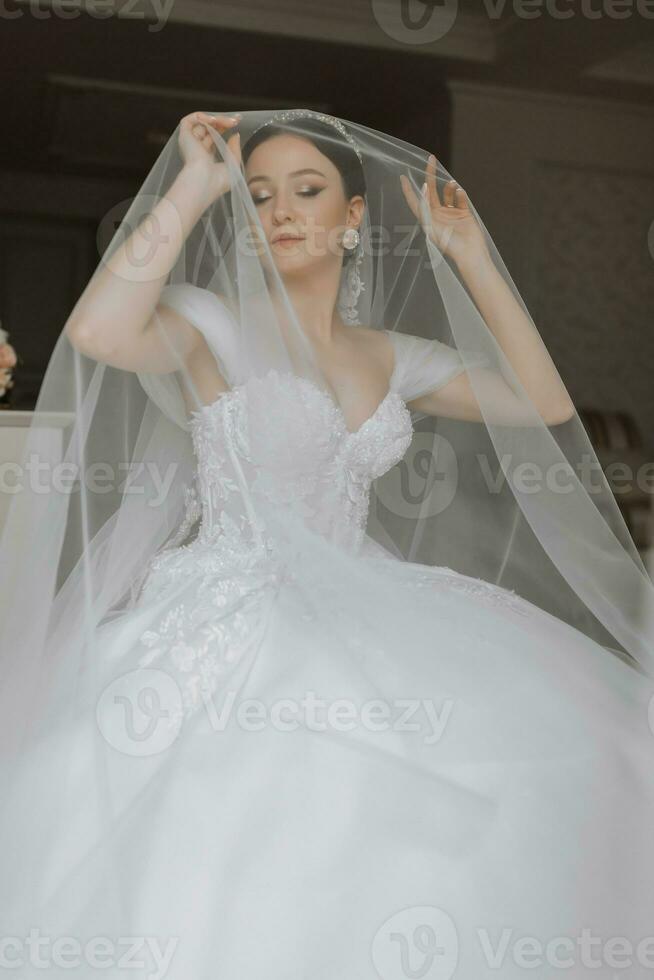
[285,115]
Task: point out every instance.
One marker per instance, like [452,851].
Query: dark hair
[327,139]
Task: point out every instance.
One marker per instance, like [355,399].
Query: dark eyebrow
[296,173]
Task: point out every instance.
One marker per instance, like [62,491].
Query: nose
[282,210]
[280,216]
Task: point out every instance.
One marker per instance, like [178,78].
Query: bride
[256,724]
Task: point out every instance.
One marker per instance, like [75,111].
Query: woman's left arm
[453,228]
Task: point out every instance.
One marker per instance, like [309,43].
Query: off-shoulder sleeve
[423,365]
[206,311]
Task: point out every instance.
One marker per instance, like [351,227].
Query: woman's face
[301,203]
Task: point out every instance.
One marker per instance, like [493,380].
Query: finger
[205,119]
[461,199]
[419,203]
[430,173]
[410,195]
[220,121]
[449,193]
[193,122]
[234,147]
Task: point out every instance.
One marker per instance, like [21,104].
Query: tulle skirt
[410,773]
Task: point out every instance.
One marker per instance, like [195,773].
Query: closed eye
[307,192]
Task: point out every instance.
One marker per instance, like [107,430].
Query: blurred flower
[7,355]
[8,360]
[6,381]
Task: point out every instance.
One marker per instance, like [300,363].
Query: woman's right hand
[199,151]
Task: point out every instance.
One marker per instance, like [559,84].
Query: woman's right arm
[117,319]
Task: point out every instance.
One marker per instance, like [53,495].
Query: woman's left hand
[451,225]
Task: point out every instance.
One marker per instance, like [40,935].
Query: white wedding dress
[477,774]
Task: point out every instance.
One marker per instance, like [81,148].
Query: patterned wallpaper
[589,278]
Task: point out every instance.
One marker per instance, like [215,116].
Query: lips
[287,237]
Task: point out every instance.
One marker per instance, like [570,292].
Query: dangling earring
[352,285]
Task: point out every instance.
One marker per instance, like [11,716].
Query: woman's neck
[314,301]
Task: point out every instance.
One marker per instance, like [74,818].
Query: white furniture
[48,440]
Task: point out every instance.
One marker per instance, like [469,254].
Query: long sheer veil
[108,479]
[523,504]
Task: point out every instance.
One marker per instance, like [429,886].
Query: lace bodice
[305,460]
[299,459]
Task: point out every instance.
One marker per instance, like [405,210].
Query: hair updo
[325,138]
